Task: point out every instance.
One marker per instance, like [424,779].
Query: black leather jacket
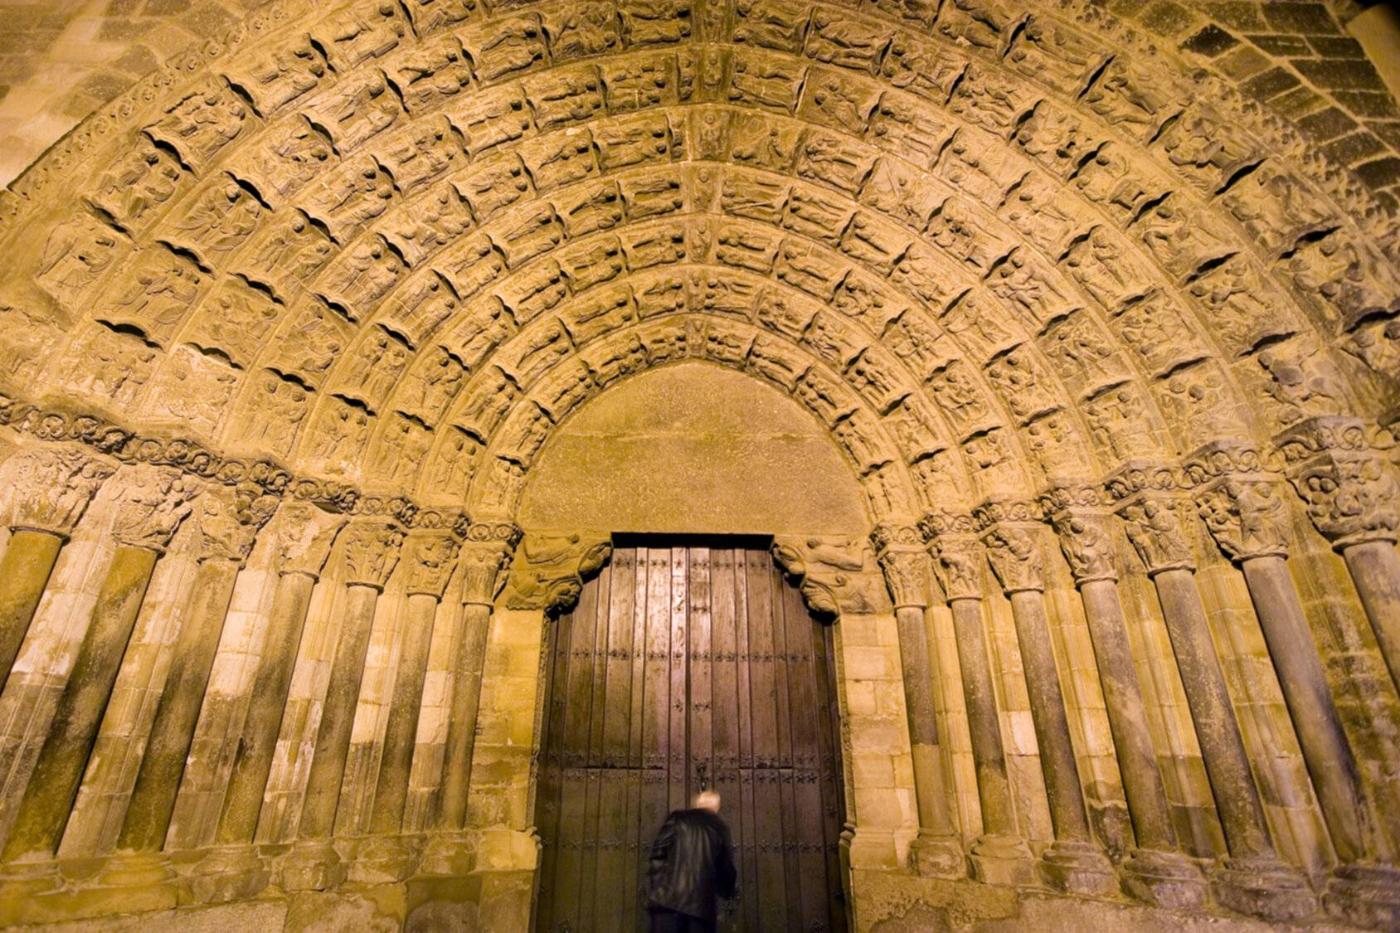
[691,864]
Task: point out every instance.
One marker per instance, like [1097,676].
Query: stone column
[999,855]
[1353,498]
[1073,862]
[1241,506]
[43,494]
[227,522]
[152,503]
[429,556]
[1155,871]
[304,535]
[371,550]
[1253,879]
[486,559]
[937,851]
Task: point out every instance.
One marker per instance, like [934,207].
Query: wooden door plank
[831,777]
[547,795]
[786,675]
[700,740]
[678,764]
[657,695]
[801,634]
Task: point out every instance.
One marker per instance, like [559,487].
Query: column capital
[1350,490]
[899,549]
[956,552]
[429,554]
[304,533]
[1238,499]
[1010,529]
[1146,495]
[548,571]
[151,503]
[486,558]
[227,520]
[371,549]
[834,573]
[48,487]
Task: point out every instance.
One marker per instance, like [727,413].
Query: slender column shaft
[1067,810]
[1375,569]
[993,785]
[1222,746]
[1127,716]
[1329,757]
[258,738]
[466,704]
[402,730]
[177,712]
[53,785]
[24,572]
[338,713]
[923,725]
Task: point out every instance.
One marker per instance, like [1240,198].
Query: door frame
[838,578]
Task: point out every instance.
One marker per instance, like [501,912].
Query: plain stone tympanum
[439,437]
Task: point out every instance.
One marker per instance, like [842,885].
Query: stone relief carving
[48,488]
[548,571]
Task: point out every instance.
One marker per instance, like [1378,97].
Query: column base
[385,859]
[229,873]
[314,865]
[1078,868]
[137,869]
[938,856]
[1163,879]
[1365,895]
[448,854]
[1263,887]
[1003,860]
[23,880]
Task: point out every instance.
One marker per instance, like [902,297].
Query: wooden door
[683,667]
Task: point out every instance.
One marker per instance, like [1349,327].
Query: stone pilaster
[1243,506]
[1012,536]
[937,850]
[1155,871]
[227,520]
[1353,498]
[999,855]
[370,548]
[151,504]
[486,558]
[43,494]
[304,534]
[1253,879]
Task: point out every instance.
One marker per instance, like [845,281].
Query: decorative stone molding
[227,520]
[549,571]
[486,559]
[899,549]
[151,504]
[832,574]
[1146,496]
[1350,490]
[371,548]
[304,535]
[48,488]
[956,552]
[1238,500]
[429,555]
[1079,516]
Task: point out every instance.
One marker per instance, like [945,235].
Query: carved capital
[1014,551]
[227,520]
[1146,497]
[900,553]
[48,488]
[151,504]
[832,574]
[1350,490]
[1079,515]
[1238,500]
[956,552]
[486,558]
[302,537]
[429,555]
[549,571]
[371,547]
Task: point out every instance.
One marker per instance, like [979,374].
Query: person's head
[707,800]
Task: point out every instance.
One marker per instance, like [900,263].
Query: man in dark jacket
[690,866]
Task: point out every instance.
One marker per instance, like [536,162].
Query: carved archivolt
[393,247]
